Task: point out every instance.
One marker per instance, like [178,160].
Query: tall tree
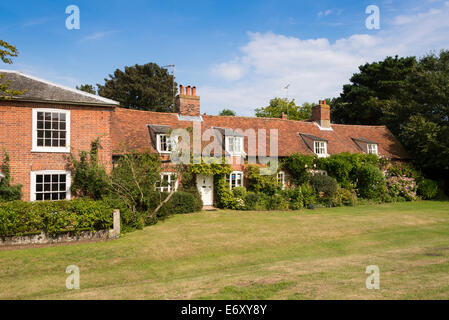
[7,50]
[362,101]
[87,88]
[288,107]
[227,112]
[143,87]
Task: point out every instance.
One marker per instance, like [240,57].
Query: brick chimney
[284,116]
[188,103]
[322,114]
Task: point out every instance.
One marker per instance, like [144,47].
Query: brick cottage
[48,121]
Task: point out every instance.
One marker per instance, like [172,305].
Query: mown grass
[308,254]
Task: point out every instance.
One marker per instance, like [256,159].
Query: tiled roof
[130,132]
[44,91]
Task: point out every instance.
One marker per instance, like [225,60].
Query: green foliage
[227,112]
[181,202]
[343,167]
[210,167]
[298,165]
[288,107]
[21,218]
[7,51]
[8,192]
[133,179]
[89,177]
[371,182]
[143,87]
[224,198]
[428,189]
[344,197]
[257,182]
[325,186]
[87,88]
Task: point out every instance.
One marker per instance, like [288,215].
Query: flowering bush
[402,186]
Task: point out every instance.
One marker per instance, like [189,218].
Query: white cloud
[317,68]
[96,36]
[324,13]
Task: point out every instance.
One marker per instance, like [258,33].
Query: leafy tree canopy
[7,50]
[87,88]
[227,112]
[288,107]
[142,87]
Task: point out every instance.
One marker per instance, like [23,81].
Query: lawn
[308,254]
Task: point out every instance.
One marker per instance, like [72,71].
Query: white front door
[205,185]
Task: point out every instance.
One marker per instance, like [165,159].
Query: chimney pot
[188,91]
[193,91]
[181,89]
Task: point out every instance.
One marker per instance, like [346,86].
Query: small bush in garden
[401,187]
[278,202]
[251,200]
[295,198]
[260,183]
[309,195]
[324,185]
[239,192]
[345,197]
[180,202]
[371,182]
[428,189]
[299,165]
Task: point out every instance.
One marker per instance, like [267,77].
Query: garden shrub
[298,165]
[251,200]
[401,187]
[180,202]
[325,186]
[224,198]
[309,195]
[21,218]
[295,198]
[345,197]
[257,182]
[428,189]
[8,192]
[371,182]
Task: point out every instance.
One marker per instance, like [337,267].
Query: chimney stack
[188,104]
[284,116]
[321,114]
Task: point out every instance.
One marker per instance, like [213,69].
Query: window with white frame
[372,148]
[165,143]
[281,178]
[50,185]
[51,130]
[167,182]
[320,148]
[234,145]
[235,179]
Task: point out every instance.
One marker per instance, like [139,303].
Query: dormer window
[320,148]
[372,148]
[234,145]
[165,143]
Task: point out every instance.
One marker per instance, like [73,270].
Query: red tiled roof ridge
[359,125]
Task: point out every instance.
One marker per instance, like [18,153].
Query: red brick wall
[86,124]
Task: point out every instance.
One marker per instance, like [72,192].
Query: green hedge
[181,202]
[23,218]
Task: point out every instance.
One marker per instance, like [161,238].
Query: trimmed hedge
[181,202]
[23,218]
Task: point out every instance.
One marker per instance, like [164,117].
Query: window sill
[50,150]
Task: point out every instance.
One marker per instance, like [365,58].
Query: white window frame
[68,181]
[37,148]
[320,146]
[281,179]
[171,144]
[371,148]
[167,188]
[233,151]
[229,177]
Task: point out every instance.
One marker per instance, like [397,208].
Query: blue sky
[238,53]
